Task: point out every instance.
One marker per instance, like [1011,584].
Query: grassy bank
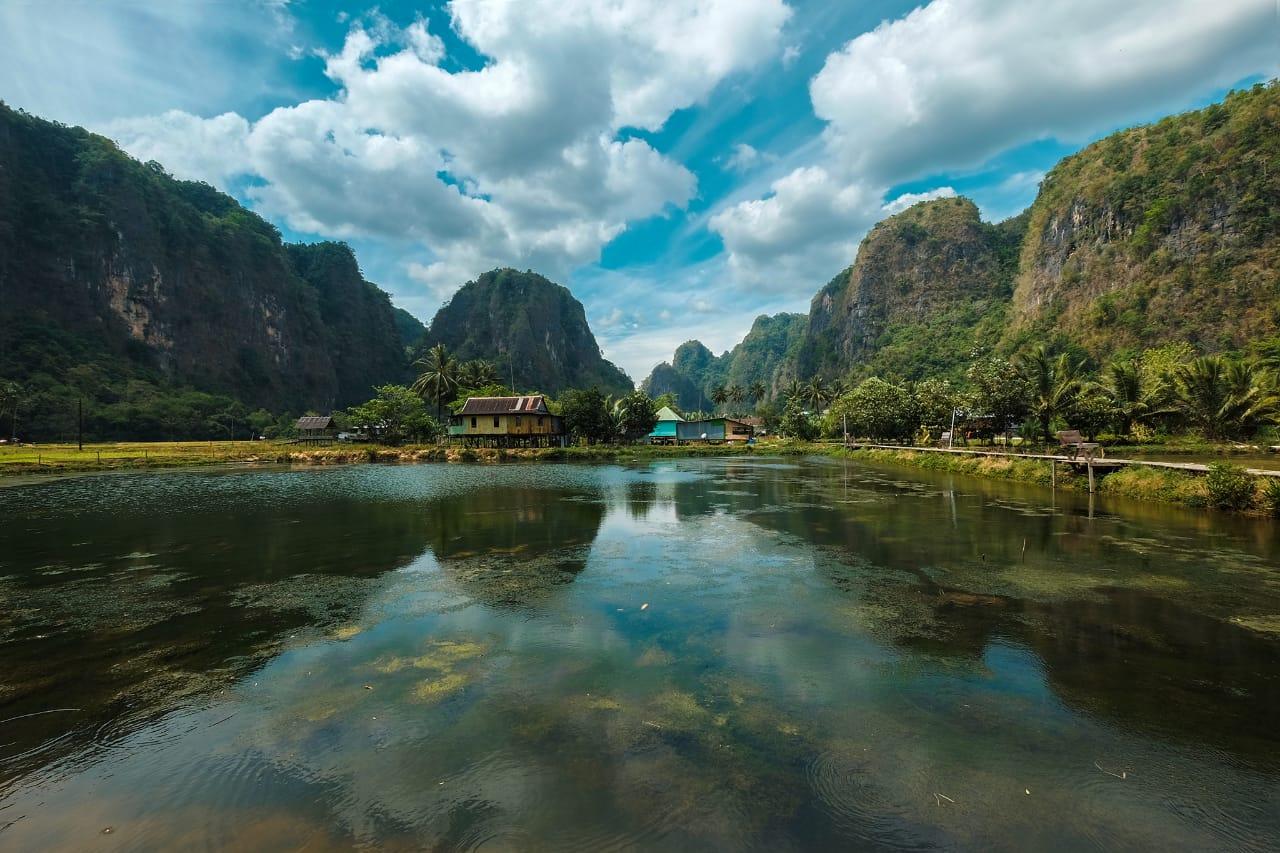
[68,458]
[1228,488]
[1225,487]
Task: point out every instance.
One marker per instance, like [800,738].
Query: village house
[714,431]
[507,422]
[664,431]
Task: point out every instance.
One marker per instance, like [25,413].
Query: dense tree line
[1037,392]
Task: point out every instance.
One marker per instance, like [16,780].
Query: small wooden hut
[316,429]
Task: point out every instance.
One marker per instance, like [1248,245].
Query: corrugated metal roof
[667,414]
[536,405]
[315,422]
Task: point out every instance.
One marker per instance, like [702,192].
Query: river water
[694,654]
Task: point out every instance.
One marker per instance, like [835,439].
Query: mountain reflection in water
[685,654]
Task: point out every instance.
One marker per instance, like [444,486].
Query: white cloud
[744,158]
[214,150]
[89,63]
[905,200]
[806,225]
[956,81]
[519,162]
[790,54]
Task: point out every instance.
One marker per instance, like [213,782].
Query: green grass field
[158,454]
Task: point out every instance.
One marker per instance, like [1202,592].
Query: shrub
[1271,495]
[1230,487]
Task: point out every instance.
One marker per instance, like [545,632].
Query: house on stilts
[507,422]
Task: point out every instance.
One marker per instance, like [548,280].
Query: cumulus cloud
[956,81]
[521,161]
[905,200]
[213,150]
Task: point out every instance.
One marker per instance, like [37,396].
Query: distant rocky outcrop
[694,370]
[531,329]
[927,286]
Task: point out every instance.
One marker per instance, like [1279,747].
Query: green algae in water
[832,657]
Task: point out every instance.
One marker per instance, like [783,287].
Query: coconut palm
[476,374]
[437,376]
[719,395]
[1055,383]
[757,391]
[816,393]
[1224,397]
[793,390]
[735,394]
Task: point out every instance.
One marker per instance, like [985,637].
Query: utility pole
[80,423]
[951,436]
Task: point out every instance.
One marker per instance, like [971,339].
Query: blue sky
[682,165]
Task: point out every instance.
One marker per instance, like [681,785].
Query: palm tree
[719,395]
[1055,384]
[816,393]
[735,394]
[757,391]
[837,390]
[1135,396]
[1224,397]
[437,376]
[476,374]
[793,390]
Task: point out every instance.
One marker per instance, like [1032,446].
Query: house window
[539,420]
[495,423]
[473,423]
[517,420]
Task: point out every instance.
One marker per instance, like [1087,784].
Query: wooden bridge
[1099,463]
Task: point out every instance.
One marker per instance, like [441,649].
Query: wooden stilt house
[507,422]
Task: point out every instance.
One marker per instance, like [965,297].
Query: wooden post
[1053,474]
[1089,465]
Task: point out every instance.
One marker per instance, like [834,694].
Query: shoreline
[1138,482]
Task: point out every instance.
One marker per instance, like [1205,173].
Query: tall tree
[735,394]
[10,397]
[816,393]
[719,395]
[757,391]
[437,376]
[1054,384]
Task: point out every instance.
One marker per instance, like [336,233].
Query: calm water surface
[695,654]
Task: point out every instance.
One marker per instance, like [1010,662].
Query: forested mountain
[1164,232]
[694,370]
[163,304]
[532,330]
[410,327]
[1161,234]
[928,285]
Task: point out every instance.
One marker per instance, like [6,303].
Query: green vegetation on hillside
[1168,232]
[163,306]
[532,330]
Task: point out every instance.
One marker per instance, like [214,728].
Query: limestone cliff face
[111,268]
[1165,232]
[923,282]
[532,330]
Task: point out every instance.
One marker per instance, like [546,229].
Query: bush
[1271,495]
[1230,487]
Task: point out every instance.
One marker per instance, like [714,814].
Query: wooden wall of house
[509,425]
